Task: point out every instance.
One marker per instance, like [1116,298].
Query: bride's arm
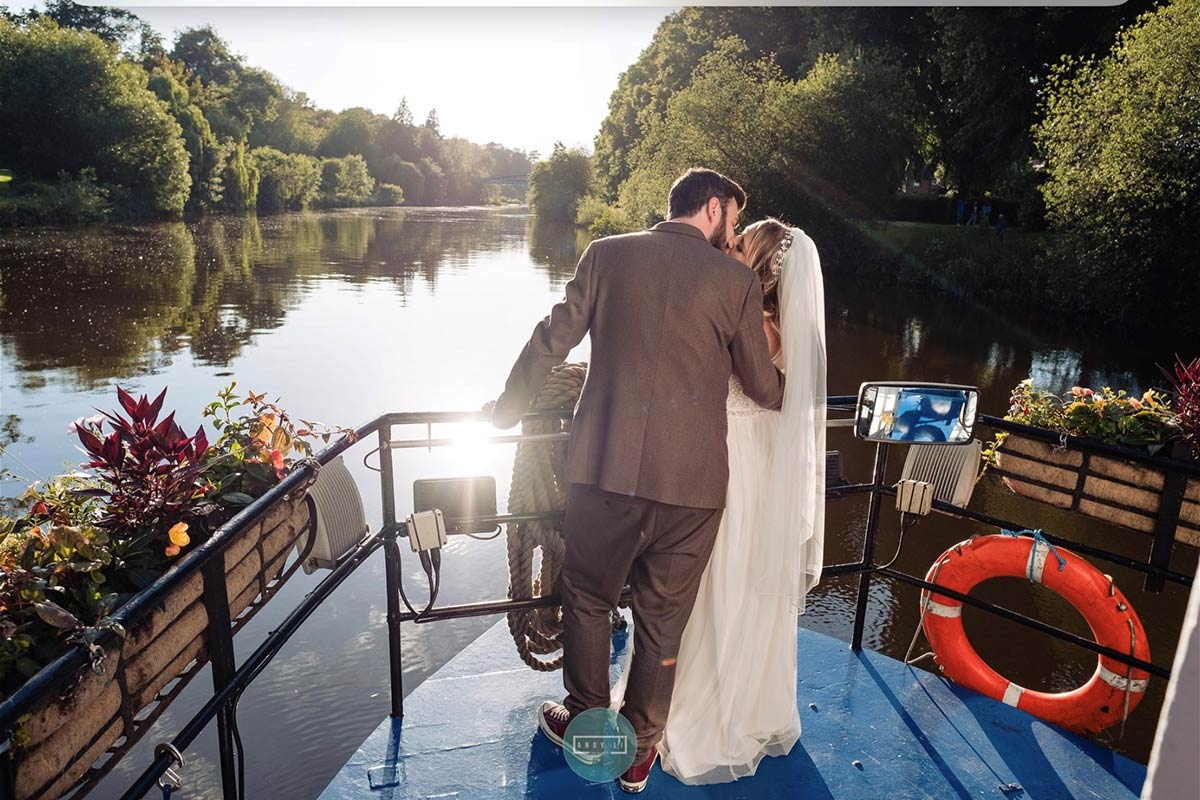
[774,344]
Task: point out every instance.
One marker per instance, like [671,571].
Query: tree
[988,67]
[112,123]
[346,181]
[114,25]
[298,125]
[234,97]
[352,133]
[240,181]
[396,171]
[1121,138]
[403,115]
[206,156]
[432,182]
[839,136]
[288,181]
[557,184]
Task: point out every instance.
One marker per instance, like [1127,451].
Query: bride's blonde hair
[762,240]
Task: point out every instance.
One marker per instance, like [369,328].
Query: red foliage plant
[1185,380]
[150,470]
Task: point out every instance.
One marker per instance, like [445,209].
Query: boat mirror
[929,413]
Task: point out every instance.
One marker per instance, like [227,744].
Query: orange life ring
[1092,707]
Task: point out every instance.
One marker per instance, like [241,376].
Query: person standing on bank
[672,317]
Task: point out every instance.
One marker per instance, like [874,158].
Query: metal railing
[230,680]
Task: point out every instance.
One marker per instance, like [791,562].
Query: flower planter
[65,736]
[1122,492]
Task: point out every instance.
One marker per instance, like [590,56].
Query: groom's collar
[687,229]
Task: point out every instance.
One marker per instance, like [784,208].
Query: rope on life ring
[539,484]
[1114,689]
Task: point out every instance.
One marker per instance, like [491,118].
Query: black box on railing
[458,499]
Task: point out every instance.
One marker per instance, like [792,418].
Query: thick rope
[539,483]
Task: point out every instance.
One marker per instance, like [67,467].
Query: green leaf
[237,499]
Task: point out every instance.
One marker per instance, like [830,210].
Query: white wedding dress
[735,683]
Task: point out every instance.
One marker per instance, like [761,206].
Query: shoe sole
[633,788]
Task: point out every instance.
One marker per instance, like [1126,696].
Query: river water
[345,315]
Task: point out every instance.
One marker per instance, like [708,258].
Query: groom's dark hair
[694,188]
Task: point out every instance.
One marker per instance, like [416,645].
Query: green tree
[353,132]
[297,127]
[557,184]
[287,181]
[234,97]
[240,181]
[987,69]
[206,156]
[113,25]
[405,174]
[432,182]
[1121,138]
[839,136]
[112,122]
[346,182]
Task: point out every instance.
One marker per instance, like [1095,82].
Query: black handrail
[224,700]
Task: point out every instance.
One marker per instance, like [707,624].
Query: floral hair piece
[785,244]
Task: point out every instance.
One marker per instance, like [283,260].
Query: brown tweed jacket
[671,318]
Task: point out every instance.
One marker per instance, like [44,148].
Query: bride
[735,684]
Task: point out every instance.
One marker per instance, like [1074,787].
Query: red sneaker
[635,778]
[553,719]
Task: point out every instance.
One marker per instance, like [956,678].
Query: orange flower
[277,462]
[172,550]
[179,535]
[1135,403]
[1076,390]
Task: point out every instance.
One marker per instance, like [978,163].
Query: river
[344,315]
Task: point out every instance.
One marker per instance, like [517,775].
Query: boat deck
[873,728]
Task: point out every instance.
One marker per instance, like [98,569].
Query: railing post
[868,559]
[219,639]
[391,567]
[1169,504]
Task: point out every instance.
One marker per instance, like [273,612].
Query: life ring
[1097,704]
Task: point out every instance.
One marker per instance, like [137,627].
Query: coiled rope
[539,483]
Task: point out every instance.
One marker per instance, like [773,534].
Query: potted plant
[1125,491]
[89,541]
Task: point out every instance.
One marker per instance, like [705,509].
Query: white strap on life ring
[1037,560]
[1120,681]
[1012,694]
[942,610]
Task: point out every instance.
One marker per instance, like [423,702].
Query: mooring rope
[539,483]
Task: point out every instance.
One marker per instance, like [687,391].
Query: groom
[671,317]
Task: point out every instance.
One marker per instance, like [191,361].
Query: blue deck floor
[879,730]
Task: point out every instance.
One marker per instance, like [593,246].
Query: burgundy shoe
[553,719]
[635,778]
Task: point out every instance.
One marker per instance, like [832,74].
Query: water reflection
[86,305]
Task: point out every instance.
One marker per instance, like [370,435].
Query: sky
[523,77]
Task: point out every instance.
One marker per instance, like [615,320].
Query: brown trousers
[662,550]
